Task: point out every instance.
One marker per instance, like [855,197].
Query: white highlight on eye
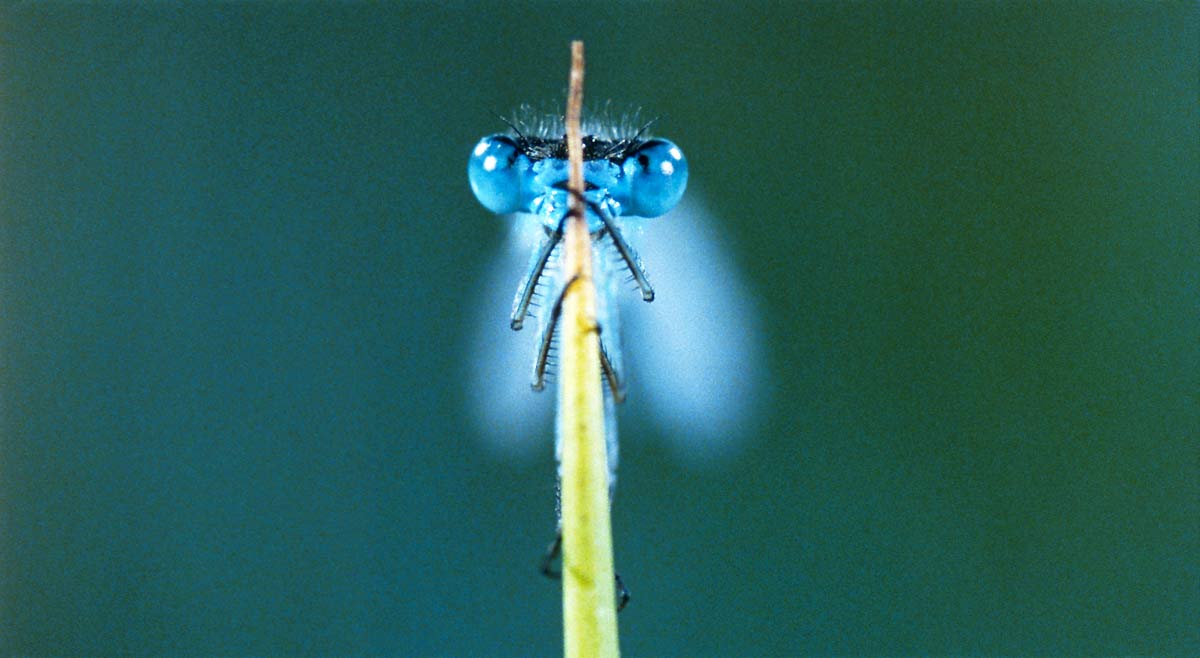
[667,168]
[676,153]
[489,163]
[480,148]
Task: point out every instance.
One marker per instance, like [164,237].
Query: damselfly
[695,364]
[526,172]
[623,176]
[698,342]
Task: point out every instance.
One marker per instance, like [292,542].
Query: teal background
[237,245]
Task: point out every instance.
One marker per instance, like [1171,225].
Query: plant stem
[589,605]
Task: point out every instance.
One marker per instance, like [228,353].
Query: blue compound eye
[657,174]
[495,173]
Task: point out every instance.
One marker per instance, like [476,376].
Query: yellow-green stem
[589,604]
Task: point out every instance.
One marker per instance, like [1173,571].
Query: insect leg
[627,253]
[608,369]
[611,376]
[546,338]
[536,267]
[548,570]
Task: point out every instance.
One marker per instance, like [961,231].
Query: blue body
[624,178]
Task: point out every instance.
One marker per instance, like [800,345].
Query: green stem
[589,605]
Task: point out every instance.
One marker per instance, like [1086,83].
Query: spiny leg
[537,266]
[611,376]
[627,253]
[546,338]
[552,553]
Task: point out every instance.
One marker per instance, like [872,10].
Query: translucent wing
[510,416]
[693,357]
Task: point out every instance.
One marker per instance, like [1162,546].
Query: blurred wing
[695,355]
[510,415]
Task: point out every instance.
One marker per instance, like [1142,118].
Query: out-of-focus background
[238,266]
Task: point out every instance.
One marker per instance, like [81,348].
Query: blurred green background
[237,251]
